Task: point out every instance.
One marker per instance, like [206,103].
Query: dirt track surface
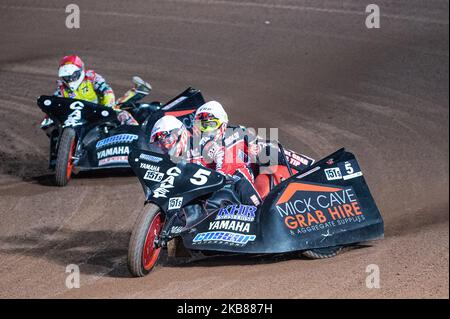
[310,68]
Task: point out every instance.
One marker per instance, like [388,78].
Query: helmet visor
[165,139]
[207,122]
[71,78]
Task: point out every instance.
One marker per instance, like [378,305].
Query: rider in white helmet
[77,82]
[211,119]
[210,125]
[171,135]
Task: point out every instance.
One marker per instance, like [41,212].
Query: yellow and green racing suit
[93,89]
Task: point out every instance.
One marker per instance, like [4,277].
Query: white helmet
[210,116]
[71,71]
[169,131]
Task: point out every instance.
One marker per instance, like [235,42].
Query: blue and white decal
[120,138]
[223,237]
[237,212]
[150,158]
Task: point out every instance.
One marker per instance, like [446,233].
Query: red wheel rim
[70,160]
[150,253]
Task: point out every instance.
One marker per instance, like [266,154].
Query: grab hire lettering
[318,209]
[118,150]
[167,184]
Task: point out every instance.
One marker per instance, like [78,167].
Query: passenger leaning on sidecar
[207,147]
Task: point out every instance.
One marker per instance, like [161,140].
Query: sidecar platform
[327,205]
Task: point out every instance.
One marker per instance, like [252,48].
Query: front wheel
[142,251]
[64,159]
[320,253]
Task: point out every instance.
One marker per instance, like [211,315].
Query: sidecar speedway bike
[86,136]
[316,212]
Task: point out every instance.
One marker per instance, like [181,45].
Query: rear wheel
[326,252]
[142,252]
[64,159]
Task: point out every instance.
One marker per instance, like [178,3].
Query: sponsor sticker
[167,184]
[233,225]
[150,167]
[113,160]
[120,138]
[150,158]
[153,176]
[237,212]
[175,203]
[333,173]
[308,207]
[297,159]
[223,237]
[118,150]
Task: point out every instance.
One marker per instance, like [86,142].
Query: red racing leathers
[230,155]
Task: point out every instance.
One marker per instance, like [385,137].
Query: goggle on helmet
[71,78]
[207,122]
[166,139]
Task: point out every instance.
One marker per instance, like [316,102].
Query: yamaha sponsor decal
[223,238]
[113,151]
[233,225]
[116,139]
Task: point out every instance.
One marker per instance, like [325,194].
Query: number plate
[153,176]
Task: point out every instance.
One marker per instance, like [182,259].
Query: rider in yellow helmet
[220,149]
